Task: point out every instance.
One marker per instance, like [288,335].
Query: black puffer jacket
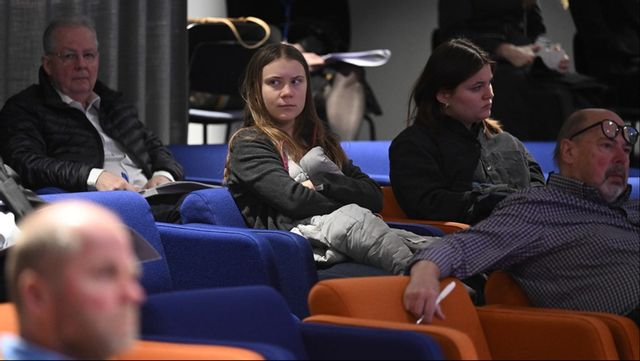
[51,144]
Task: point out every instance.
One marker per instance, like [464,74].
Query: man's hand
[109,182]
[156,181]
[422,291]
[314,60]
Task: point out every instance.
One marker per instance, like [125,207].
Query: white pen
[444,293]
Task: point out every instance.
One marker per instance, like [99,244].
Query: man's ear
[568,151]
[46,64]
[34,291]
[443,97]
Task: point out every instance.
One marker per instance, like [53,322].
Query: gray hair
[48,41]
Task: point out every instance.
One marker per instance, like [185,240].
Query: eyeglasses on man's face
[68,57]
[610,129]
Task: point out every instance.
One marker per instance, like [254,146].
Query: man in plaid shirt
[573,244]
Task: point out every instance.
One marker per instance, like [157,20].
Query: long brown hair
[309,130]
[451,63]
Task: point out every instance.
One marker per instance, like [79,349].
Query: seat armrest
[211,206]
[454,344]
[445,226]
[155,350]
[419,229]
[625,332]
[518,334]
[266,350]
[352,342]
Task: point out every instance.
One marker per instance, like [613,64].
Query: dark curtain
[143,53]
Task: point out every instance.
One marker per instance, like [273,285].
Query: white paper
[367,58]
[551,57]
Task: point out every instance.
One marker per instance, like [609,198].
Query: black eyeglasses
[610,129]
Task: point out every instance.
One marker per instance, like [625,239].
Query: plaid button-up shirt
[564,245]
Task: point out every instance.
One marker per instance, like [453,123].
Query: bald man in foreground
[74,279]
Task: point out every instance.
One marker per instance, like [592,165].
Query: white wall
[405,28]
[201,8]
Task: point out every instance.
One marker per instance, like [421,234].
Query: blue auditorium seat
[253,315]
[208,256]
[372,157]
[201,163]
[205,163]
[217,207]
[135,212]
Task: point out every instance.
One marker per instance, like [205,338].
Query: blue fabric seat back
[256,317]
[372,157]
[50,190]
[542,152]
[295,268]
[363,343]
[211,206]
[205,163]
[294,272]
[250,313]
[201,163]
[216,256]
[134,210]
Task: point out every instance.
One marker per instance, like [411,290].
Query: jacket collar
[455,126]
[52,98]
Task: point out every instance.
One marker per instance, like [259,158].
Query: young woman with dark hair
[454,162]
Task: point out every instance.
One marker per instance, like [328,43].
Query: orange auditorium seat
[502,291]
[151,350]
[491,333]
[392,212]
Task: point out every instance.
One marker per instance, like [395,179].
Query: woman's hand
[519,56]
[308,184]
[563,65]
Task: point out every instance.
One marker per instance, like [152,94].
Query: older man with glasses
[71,131]
[573,244]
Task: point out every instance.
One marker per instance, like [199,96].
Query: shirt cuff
[164,173]
[437,255]
[93,178]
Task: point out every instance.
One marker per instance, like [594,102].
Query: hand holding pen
[110,182]
[444,293]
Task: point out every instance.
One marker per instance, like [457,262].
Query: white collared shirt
[116,160]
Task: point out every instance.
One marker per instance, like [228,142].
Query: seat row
[243,289]
[190,301]
[205,163]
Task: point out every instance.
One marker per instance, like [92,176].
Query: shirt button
[489,168]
